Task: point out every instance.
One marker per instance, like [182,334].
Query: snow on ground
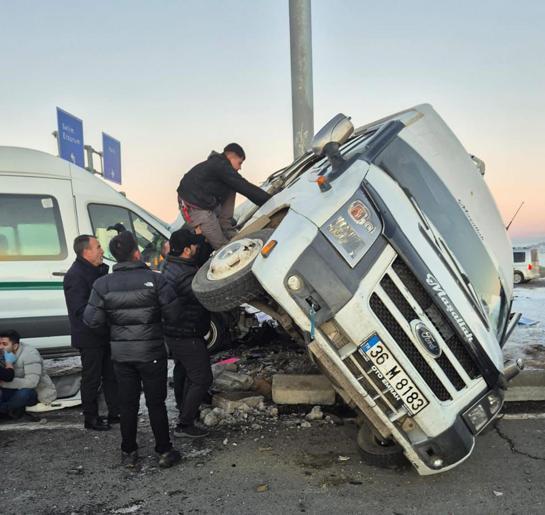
[528,342]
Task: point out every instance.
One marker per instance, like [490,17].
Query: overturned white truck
[384,253]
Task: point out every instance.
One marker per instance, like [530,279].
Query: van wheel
[378,452]
[218,338]
[226,280]
[518,278]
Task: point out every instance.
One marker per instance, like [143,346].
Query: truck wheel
[518,278]
[218,338]
[226,280]
[377,452]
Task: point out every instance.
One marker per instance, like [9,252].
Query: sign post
[111,155]
[70,137]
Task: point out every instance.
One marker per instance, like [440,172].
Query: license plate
[392,375]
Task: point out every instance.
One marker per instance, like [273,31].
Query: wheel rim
[233,257]
[517,278]
[211,336]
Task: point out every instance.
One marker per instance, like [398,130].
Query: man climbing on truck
[206,194]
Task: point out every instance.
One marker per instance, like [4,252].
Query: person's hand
[9,357]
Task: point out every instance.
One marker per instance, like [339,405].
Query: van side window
[519,257]
[31,228]
[107,221]
[149,241]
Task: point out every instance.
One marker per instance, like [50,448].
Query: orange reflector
[323,183]
[267,249]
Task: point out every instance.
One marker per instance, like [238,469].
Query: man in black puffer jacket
[185,338]
[135,302]
[206,194]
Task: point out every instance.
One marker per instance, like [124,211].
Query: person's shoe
[193,431]
[114,419]
[97,424]
[169,459]
[129,459]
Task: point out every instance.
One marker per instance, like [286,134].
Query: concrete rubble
[302,389]
[244,390]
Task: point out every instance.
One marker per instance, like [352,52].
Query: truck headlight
[483,411]
[353,229]
[494,402]
[478,417]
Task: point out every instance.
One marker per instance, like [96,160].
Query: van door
[37,227]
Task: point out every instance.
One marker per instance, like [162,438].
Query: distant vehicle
[525,264]
[382,252]
[45,202]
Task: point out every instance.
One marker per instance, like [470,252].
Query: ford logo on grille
[426,338]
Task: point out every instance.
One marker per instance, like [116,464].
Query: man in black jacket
[135,302]
[185,338]
[206,194]
[94,346]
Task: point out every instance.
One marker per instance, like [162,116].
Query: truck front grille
[396,311]
[398,334]
[409,314]
[437,318]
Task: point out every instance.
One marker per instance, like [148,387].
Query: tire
[518,278]
[232,291]
[379,453]
[219,337]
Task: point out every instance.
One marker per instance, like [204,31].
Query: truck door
[37,227]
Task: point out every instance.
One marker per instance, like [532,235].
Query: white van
[525,264]
[45,202]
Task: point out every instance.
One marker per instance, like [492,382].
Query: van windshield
[434,199]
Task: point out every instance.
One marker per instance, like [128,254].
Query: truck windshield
[434,199]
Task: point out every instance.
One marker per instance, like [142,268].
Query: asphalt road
[279,469]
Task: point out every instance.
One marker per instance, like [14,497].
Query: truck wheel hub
[233,257]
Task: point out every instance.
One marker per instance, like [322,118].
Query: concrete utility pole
[301,76]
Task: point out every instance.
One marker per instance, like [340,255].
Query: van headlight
[353,229]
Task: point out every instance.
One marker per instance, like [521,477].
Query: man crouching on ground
[185,339]
[134,302]
[30,382]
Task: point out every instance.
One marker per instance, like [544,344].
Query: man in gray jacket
[30,383]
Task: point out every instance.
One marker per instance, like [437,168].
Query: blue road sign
[111,153]
[70,137]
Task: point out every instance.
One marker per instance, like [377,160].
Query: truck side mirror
[337,131]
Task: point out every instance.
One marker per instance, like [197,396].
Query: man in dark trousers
[185,338]
[94,346]
[134,302]
[206,194]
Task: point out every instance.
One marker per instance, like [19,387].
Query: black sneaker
[97,424]
[114,419]
[16,413]
[129,459]
[182,431]
[169,459]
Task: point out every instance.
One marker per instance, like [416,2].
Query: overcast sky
[174,80]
